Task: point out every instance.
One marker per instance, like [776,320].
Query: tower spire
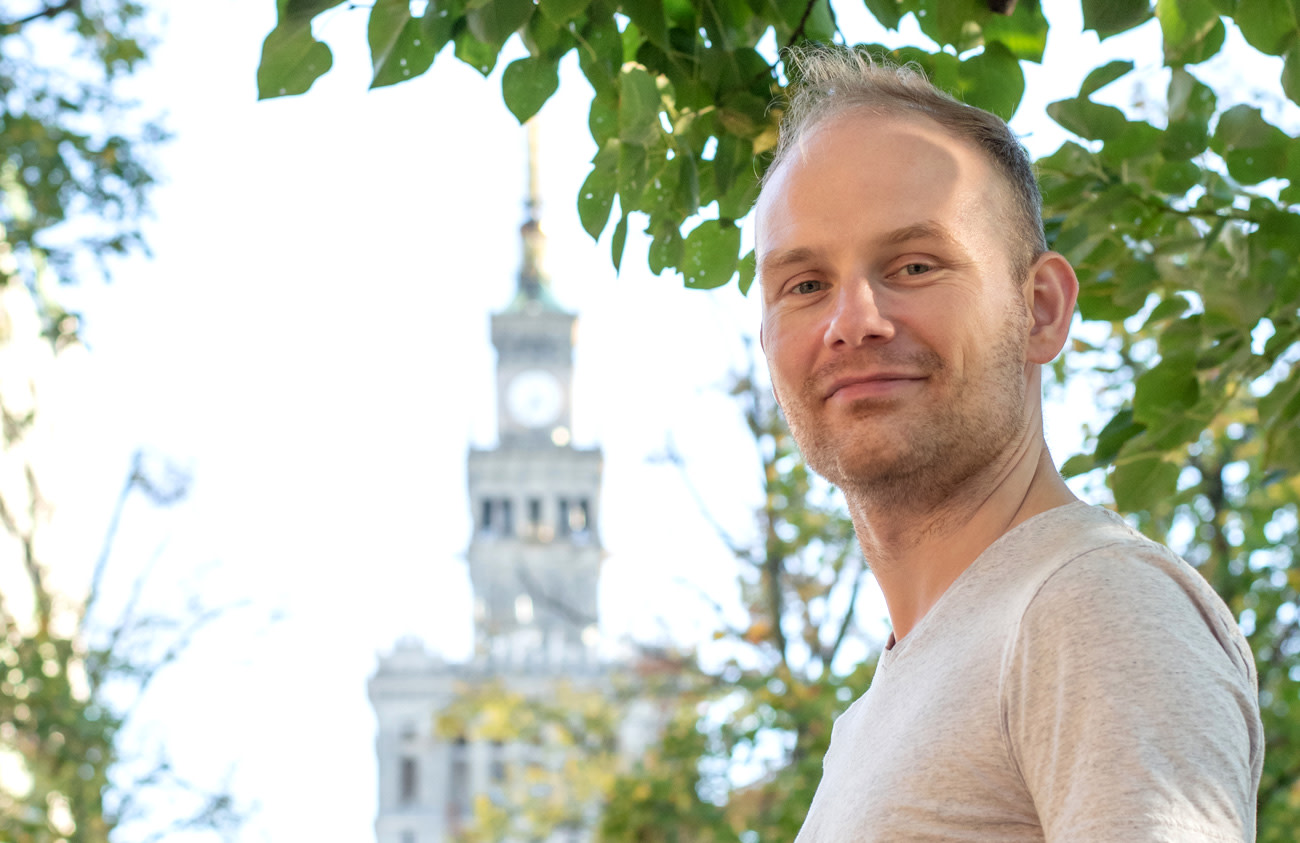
[532,277]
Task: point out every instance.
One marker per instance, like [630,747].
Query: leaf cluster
[686,95]
[74,165]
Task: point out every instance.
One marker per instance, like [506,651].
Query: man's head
[904,314]
[832,82]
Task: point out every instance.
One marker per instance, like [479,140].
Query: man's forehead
[887,159]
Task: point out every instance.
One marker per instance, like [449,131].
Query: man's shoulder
[1082,567]
[1109,586]
[1088,546]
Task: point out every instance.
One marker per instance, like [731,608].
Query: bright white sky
[310,337]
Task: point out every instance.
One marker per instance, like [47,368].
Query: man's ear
[1052,291]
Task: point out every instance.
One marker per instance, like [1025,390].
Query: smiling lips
[874,385]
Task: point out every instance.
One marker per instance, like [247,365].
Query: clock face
[534,398]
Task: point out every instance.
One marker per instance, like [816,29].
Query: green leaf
[1291,72]
[638,107]
[648,15]
[439,21]
[1253,149]
[602,121]
[1192,29]
[665,249]
[688,183]
[601,56]
[1103,76]
[1111,17]
[952,22]
[992,81]
[1166,389]
[748,270]
[1117,432]
[302,9]
[1170,308]
[475,53]
[1189,98]
[1142,484]
[292,59]
[819,25]
[1176,177]
[562,11]
[1191,106]
[497,20]
[1024,32]
[740,197]
[1267,25]
[633,174]
[711,254]
[596,197]
[399,48]
[1088,119]
[1278,411]
[617,242]
[1078,464]
[1136,140]
[546,39]
[526,85]
[729,156]
[886,12]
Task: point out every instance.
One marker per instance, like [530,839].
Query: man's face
[895,335]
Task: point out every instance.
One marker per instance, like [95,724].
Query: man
[1052,675]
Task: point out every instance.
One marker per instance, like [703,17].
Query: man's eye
[916,268]
[806,287]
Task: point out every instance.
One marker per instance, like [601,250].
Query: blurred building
[534,562]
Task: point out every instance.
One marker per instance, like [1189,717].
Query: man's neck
[916,554]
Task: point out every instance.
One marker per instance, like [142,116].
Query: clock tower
[534,559]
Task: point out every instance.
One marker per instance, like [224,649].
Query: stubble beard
[928,457]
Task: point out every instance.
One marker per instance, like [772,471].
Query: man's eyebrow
[783,259]
[927,230]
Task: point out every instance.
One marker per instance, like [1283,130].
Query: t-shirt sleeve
[1130,705]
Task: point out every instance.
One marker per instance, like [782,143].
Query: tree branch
[828,654]
[110,535]
[803,22]
[48,12]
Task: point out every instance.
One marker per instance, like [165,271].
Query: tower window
[534,517]
[458,801]
[408,781]
[497,518]
[573,516]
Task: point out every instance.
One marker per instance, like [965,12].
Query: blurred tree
[74,168]
[744,755]
[74,177]
[71,670]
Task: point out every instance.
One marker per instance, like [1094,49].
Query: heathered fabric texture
[1078,682]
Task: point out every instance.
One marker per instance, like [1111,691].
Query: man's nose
[858,317]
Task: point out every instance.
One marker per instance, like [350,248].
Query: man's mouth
[873,385]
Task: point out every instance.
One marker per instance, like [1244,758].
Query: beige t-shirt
[1078,682]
